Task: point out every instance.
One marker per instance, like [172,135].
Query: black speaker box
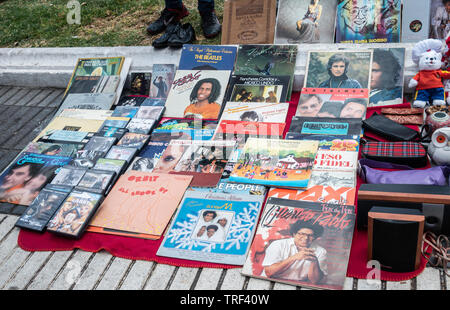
[395,238]
[433,201]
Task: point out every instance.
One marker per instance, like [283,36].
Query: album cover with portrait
[204,160]
[439,21]
[41,210]
[275,162]
[368,21]
[348,69]
[24,178]
[213,227]
[386,83]
[73,216]
[305,21]
[140,204]
[255,88]
[333,102]
[197,93]
[268,112]
[162,78]
[319,236]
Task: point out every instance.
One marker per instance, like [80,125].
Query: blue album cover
[213,227]
[207,57]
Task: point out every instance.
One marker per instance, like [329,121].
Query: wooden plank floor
[24,112]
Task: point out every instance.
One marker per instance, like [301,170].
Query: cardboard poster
[249,21]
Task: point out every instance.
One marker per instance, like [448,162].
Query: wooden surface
[24,112]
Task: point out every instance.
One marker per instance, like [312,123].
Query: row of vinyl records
[201,184]
[245,73]
[329,21]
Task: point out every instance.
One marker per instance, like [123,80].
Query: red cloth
[142,249]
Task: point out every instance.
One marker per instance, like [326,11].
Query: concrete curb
[52,67]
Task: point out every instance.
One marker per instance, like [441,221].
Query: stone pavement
[24,112]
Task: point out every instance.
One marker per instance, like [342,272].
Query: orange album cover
[140,204]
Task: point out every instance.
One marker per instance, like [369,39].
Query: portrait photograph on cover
[368,21]
[440,21]
[311,21]
[338,69]
[197,93]
[386,81]
[335,105]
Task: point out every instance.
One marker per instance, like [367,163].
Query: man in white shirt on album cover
[297,258]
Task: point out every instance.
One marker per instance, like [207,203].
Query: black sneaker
[183,35]
[167,16]
[163,40]
[210,24]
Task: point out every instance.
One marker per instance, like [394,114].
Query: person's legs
[173,12]
[210,23]
[204,6]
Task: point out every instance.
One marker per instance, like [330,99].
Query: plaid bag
[412,154]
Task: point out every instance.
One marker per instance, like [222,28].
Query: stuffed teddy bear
[429,81]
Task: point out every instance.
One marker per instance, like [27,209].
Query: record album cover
[267,60]
[368,21]
[305,21]
[197,93]
[274,162]
[386,83]
[333,102]
[346,69]
[207,57]
[140,204]
[255,88]
[316,237]
[213,227]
